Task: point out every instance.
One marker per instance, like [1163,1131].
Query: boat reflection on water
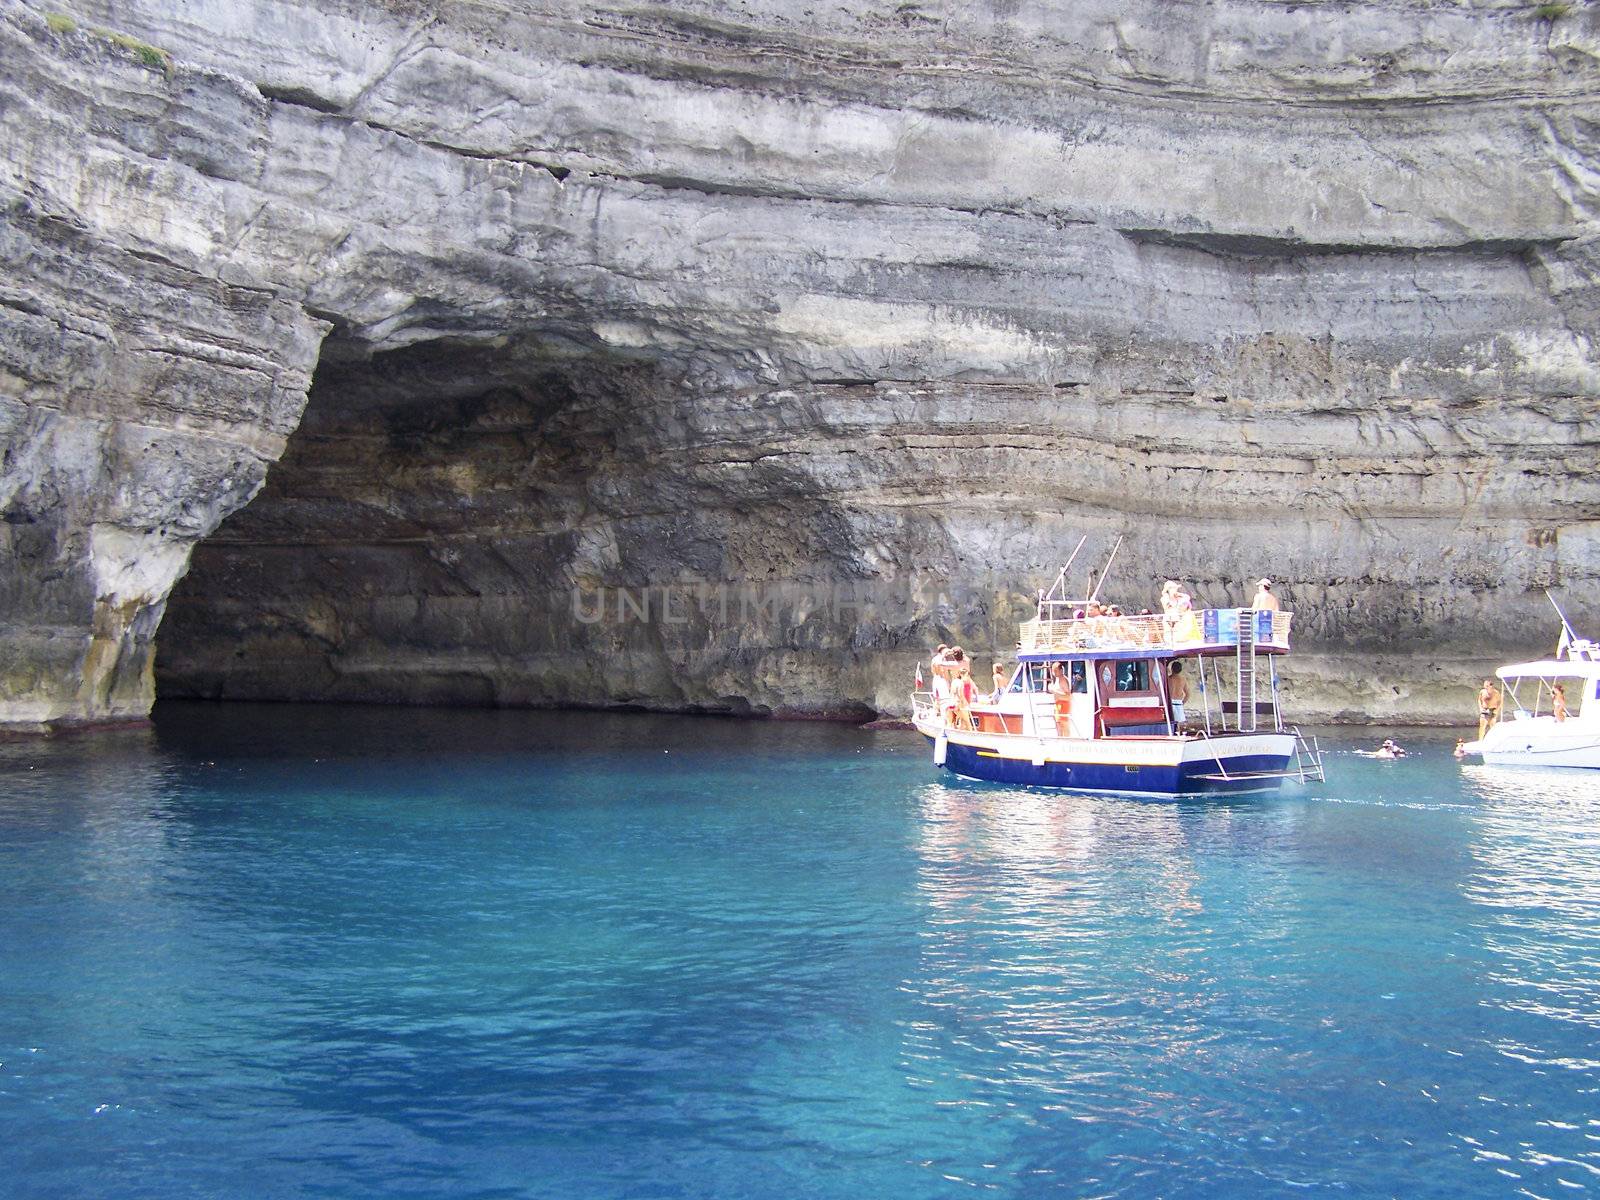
[1054,927]
[1526,820]
[983,852]
[1541,927]
[1550,791]
[1055,854]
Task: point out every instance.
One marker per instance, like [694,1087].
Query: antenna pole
[1062,577]
[1109,560]
[1559,613]
[1565,626]
[1047,597]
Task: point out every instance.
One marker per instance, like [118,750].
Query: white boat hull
[1539,742]
[1530,739]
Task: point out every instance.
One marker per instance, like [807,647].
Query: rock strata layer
[725,357]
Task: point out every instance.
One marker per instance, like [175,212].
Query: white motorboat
[1531,731]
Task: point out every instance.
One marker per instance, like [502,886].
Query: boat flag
[919,677]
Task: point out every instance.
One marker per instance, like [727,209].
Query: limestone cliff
[725,355]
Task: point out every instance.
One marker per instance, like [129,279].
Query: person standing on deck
[1558,702]
[1265,601]
[944,676]
[965,693]
[1177,611]
[1177,692]
[1488,707]
[1059,685]
[944,697]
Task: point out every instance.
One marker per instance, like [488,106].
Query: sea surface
[302,951]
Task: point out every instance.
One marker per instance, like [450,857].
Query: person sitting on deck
[1078,631]
[1122,629]
[1264,601]
[1488,707]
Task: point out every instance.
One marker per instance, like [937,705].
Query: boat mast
[1051,599]
[1568,637]
[1111,558]
[1062,577]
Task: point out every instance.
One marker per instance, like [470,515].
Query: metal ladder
[1247,671]
[1308,759]
[1307,767]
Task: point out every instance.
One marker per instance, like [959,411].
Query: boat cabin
[1110,677]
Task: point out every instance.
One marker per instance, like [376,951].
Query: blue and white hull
[1235,763]
[1105,701]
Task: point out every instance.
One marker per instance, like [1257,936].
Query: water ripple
[497,955]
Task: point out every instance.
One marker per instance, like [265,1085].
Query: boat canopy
[1551,668]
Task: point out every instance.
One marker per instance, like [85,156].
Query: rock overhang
[815,288]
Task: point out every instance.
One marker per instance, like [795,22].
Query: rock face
[726,356]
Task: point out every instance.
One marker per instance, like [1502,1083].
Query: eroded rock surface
[728,355]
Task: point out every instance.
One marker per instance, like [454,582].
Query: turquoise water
[319,952]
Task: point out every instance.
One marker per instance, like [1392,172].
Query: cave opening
[445,514]
[415,542]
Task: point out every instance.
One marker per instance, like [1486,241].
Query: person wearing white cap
[1264,597]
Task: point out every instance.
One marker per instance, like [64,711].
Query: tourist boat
[1113,729]
[1531,736]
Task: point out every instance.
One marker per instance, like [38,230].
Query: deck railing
[1204,629]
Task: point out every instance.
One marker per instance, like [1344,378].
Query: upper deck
[1205,631]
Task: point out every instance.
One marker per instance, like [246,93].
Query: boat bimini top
[1551,668]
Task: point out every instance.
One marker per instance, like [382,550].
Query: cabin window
[1080,678]
[1133,675]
